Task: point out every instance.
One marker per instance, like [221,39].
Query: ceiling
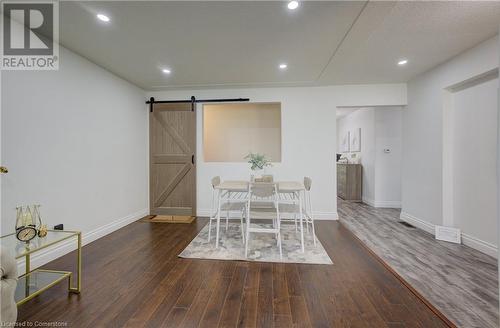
[242,43]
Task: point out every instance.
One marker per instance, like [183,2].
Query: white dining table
[238,187]
[242,186]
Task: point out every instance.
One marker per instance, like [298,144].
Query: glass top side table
[33,283]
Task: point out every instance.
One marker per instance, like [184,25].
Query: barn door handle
[3,170]
[192,159]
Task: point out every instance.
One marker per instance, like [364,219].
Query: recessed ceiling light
[103,17]
[292,5]
[166,71]
[283,66]
[403,62]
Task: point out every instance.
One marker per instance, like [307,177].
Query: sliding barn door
[172,132]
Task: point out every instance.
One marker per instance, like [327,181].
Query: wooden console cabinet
[350,182]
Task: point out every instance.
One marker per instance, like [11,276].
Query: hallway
[459,281]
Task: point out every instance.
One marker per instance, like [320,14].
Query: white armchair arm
[8,283]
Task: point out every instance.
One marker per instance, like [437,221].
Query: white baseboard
[317,215]
[480,245]
[468,240]
[326,216]
[203,212]
[49,254]
[388,203]
[382,203]
[370,202]
[421,224]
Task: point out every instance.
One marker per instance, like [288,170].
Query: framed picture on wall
[355,140]
[344,144]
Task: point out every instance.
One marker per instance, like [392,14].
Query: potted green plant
[258,163]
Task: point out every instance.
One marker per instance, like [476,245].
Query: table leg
[301,224]
[28,265]
[78,287]
[28,269]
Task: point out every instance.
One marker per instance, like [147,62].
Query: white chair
[289,205]
[263,204]
[227,206]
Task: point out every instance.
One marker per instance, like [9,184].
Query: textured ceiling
[216,44]
[425,33]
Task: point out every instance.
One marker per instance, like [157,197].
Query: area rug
[262,246]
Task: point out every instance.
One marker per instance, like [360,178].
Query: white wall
[365,119]
[388,135]
[498,161]
[75,141]
[308,135]
[474,124]
[381,128]
[422,173]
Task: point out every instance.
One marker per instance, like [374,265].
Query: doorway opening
[369,155]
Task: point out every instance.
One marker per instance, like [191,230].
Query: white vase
[257,174]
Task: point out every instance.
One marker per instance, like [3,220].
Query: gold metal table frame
[27,287]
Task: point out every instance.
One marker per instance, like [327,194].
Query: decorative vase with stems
[258,163]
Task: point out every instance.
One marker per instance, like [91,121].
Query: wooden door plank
[171,159]
[173,133]
[171,186]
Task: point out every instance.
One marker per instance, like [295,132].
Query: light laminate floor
[458,280]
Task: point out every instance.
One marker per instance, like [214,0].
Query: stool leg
[314,233]
[305,213]
[312,220]
[227,213]
[214,205]
[279,245]
[209,228]
[218,222]
[241,226]
[279,236]
[301,223]
[247,239]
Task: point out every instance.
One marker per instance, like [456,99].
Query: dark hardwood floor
[133,278]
